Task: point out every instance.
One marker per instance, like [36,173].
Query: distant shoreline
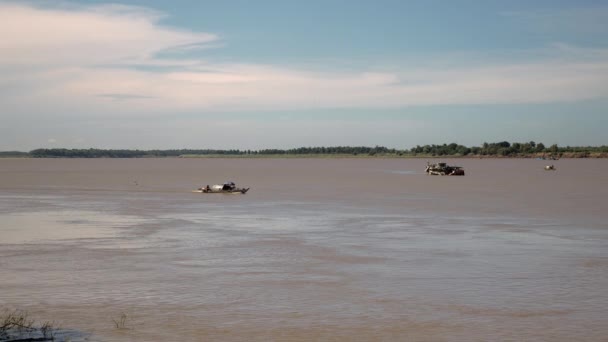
[327,156]
[395,156]
[501,149]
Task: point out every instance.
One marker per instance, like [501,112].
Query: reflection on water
[317,250]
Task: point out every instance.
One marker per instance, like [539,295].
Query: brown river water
[317,250]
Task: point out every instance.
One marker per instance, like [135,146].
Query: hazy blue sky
[265,74]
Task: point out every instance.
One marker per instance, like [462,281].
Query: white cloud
[85,36]
[89,60]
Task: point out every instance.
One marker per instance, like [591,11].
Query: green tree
[554,148]
[540,147]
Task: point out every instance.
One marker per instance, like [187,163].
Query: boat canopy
[228,186]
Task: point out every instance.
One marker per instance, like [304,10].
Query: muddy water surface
[318,249]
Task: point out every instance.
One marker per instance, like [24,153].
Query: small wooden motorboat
[226,188]
[550,168]
[442,169]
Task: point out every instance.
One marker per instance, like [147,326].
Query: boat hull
[441,173]
[441,169]
[233,191]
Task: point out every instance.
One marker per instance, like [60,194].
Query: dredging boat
[226,188]
[442,169]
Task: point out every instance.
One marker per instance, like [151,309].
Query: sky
[288,73]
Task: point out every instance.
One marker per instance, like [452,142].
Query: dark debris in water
[38,334]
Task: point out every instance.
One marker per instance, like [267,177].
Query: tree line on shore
[499,149]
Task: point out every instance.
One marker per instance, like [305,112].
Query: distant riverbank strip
[486,150]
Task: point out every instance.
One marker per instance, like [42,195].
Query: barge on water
[442,169]
[226,188]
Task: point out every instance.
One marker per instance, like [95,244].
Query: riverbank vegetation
[498,150]
[17,326]
[14,154]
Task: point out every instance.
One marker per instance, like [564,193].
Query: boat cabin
[228,186]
